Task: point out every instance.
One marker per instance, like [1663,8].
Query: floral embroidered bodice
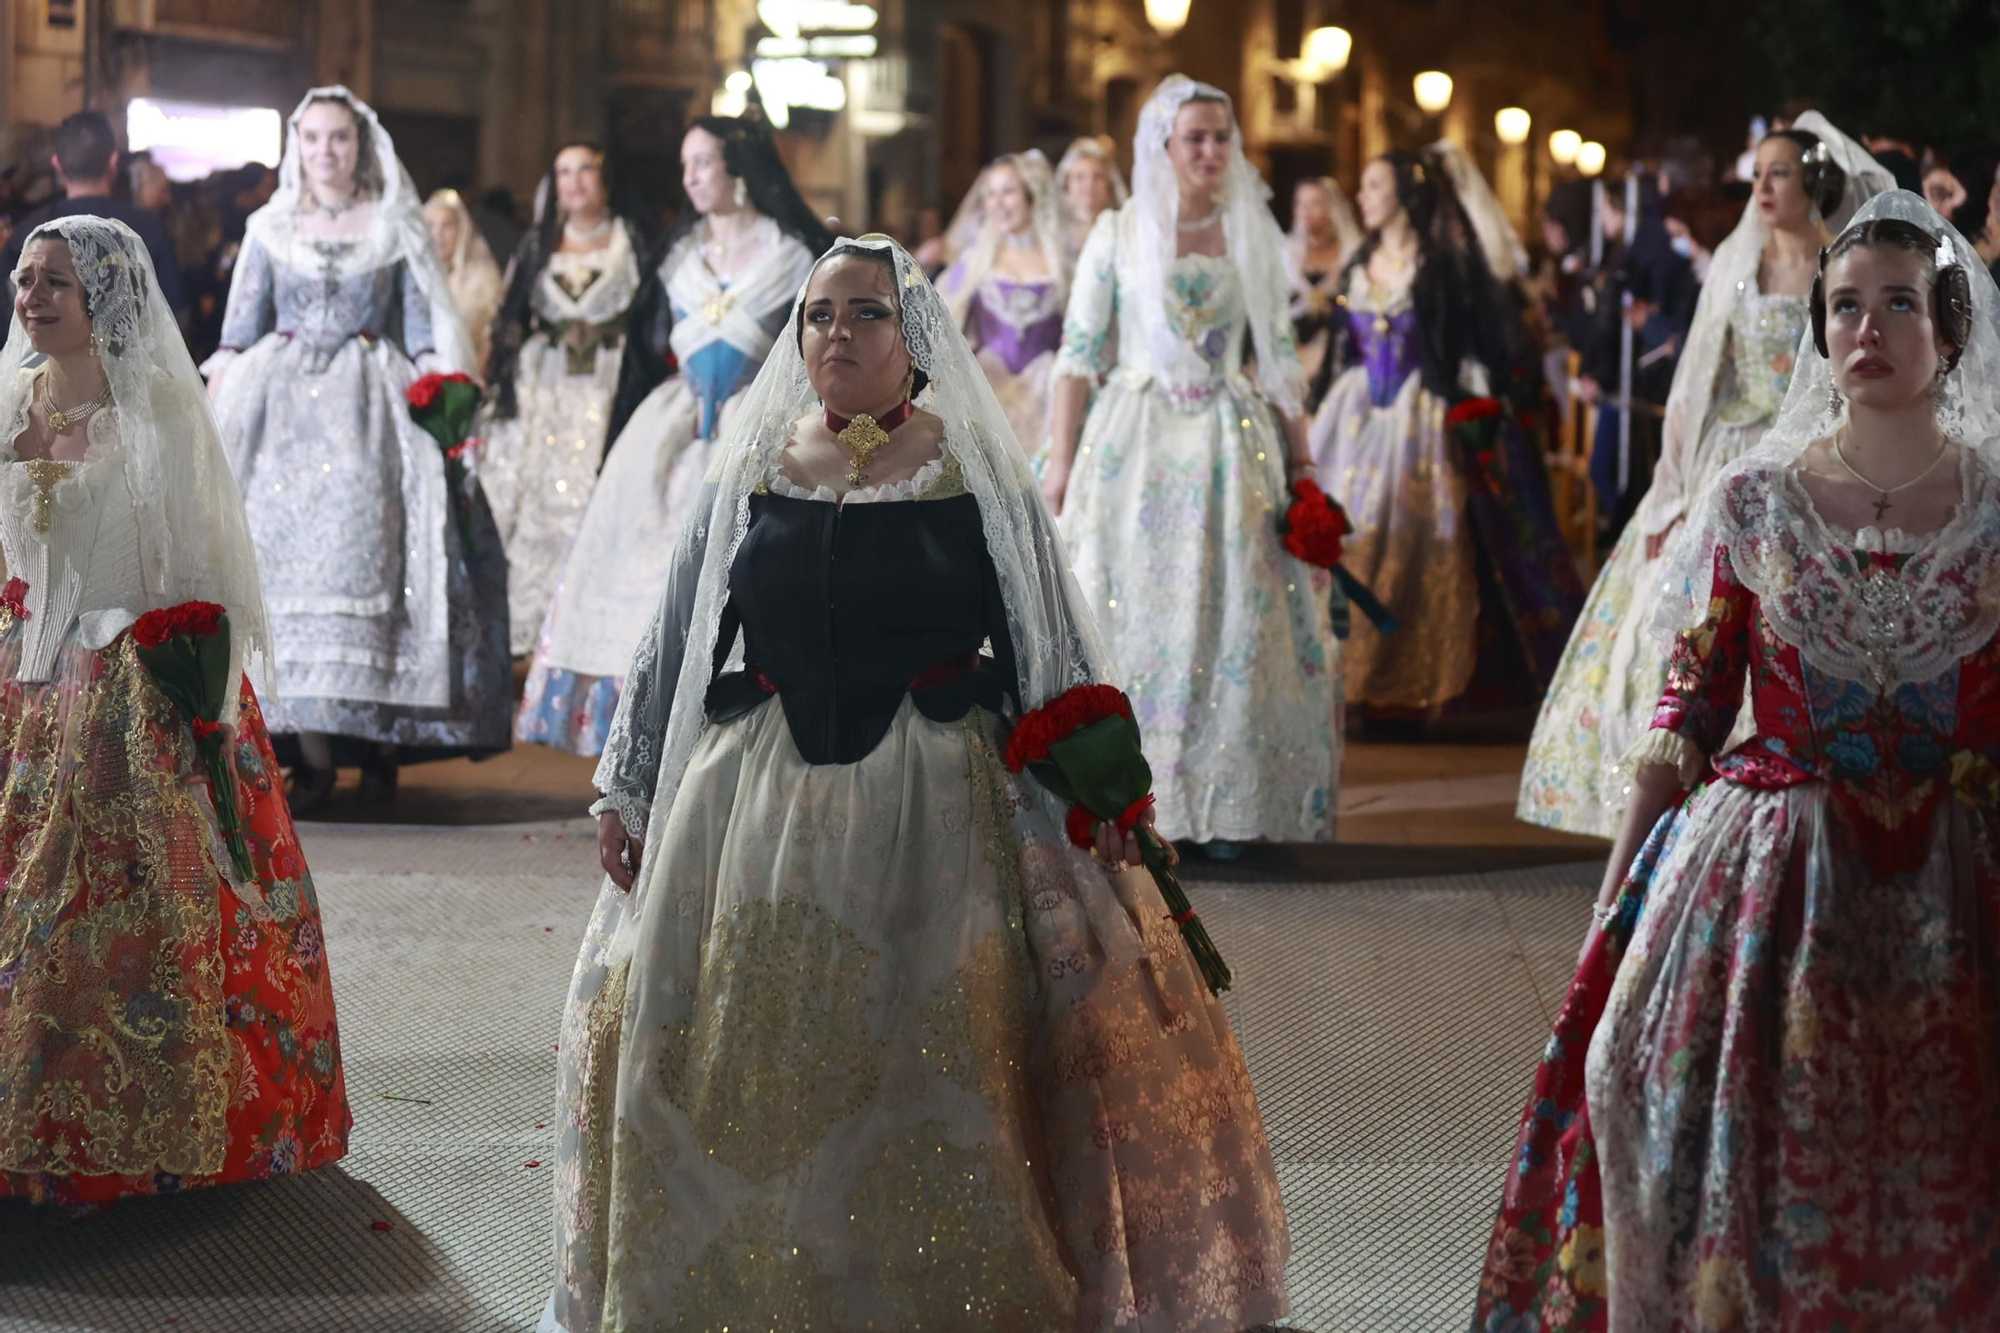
[1764,334]
[1873,670]
[1206,321]
[1014,320]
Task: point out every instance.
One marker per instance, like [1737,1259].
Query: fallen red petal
[531,1164]
[378,1226]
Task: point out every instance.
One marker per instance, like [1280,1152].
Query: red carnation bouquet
[1083,745]
[1314,528]
[443,405]
[1477,422]
[186,647]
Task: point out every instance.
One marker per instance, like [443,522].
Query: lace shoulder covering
[1885,623]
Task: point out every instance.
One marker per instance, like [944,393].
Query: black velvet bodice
[842,608]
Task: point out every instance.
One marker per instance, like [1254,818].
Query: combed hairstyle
[1821,177]
[1951,286]
[84,145]
[888,265]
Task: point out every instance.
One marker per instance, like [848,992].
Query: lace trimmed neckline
[911,488]
[1894,541]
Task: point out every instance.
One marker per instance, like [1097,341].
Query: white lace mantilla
[603,282]
[1849,615]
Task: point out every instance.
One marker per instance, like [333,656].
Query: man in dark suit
[86,162]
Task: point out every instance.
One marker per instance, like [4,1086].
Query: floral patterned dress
[1462,546]
[1609,680]
[1171,525]
[162,1026]
[1793,1072]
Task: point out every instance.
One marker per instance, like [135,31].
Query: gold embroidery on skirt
[778,1051]
[947,1231]
[752,1275]
[113,1053]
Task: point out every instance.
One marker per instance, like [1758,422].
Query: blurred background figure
[86,162]
[468,264]
[1088,183]
[1008,288]
[1324,233]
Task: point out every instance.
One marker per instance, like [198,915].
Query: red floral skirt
[161,1028]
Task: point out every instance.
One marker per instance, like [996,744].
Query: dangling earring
[1833,400]
[742,192]
[1944,369]
[910,384]
[94,348]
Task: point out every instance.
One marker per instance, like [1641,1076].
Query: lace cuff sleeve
[628,774]
[1093,304]
[419,338]
[1670,748]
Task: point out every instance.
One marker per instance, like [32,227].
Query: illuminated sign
[189,140]
[784,84]
[859,46]
[789,18]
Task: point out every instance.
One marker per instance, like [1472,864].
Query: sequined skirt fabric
[853,1060]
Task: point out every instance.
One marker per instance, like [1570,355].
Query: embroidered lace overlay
[1852,616]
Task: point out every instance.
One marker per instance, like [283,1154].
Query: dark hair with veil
[1462,308]
[531,256]
[751,156]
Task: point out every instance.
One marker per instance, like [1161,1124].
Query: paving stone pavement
[1392,1026]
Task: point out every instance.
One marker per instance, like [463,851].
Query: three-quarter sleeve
[627,776]
[419,337]
[252,310]
[1707,675]
[1093,304]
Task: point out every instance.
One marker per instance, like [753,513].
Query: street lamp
[1563,145]
[1433,90]
[1590,157]
[1512,123]
[1326,52]
[1167,16]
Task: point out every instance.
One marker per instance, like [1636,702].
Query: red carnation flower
[423,392]
[15,598]
[1472,409]
[1081,826]
[1314,525]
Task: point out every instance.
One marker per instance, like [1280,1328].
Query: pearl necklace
[590,237]
[1202,224]
[61,419]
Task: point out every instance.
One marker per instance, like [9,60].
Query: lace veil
[1844,619]
[1735,265]
[194,542]
[1045,220]
[397,230]
[1505,256]
[1251,239]
[1056,642]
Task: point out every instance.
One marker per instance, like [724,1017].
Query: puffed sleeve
[1093,304]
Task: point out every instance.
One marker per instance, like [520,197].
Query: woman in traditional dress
[1789,1009]
[734,264]
[1008,288]
[857,1038]
[1730,379]
[164,1022]
[1087,183]
[558,348]
[1457,536]
[1324,233]
[390,633]
[1170,492]
[469,267]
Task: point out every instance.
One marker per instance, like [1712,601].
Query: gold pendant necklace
[862,436]
[61,419]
